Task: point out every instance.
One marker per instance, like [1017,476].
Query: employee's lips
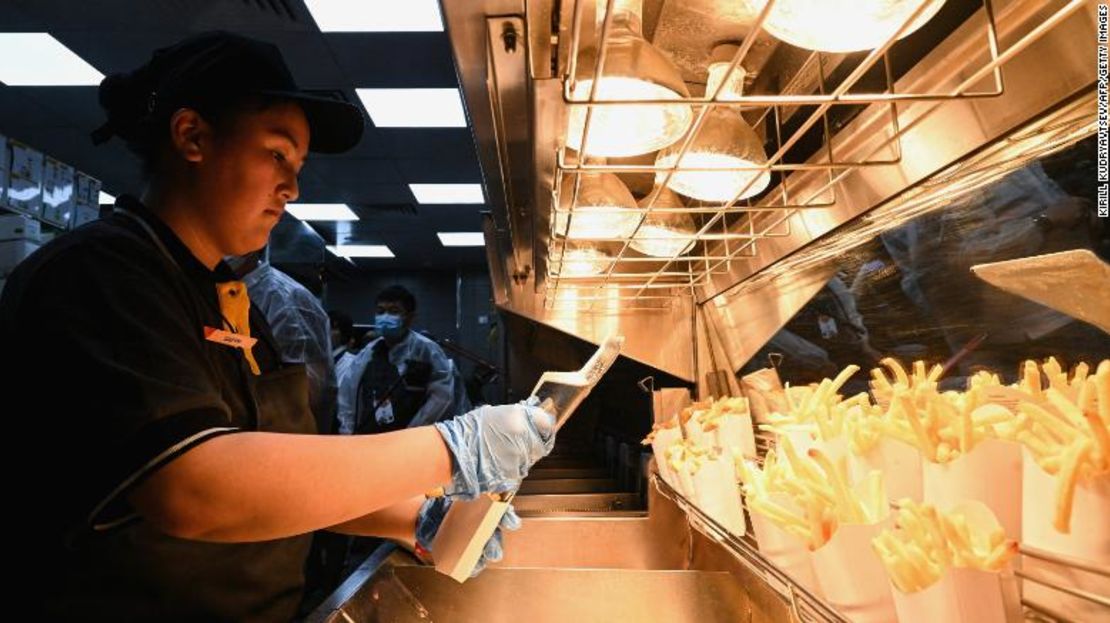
[275,212]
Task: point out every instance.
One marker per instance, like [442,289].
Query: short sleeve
[110,313]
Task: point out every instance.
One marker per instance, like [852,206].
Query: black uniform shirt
[104,338]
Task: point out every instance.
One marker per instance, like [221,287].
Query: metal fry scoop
[470,523]
[1073,282]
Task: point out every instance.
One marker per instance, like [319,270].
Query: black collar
[180,253]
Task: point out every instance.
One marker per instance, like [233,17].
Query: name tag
[227,338]
[384,414]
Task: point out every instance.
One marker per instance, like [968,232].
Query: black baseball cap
[219,65]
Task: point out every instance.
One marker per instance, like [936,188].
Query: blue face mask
[390,325]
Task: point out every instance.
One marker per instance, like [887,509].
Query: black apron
[138,573]
[382,383]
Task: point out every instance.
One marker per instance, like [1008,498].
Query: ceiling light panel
[376,15]
[321,211]
[38,59]
[361,250]
[447,193]
[413,108]
[462,239]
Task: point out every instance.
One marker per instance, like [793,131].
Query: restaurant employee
[175,473]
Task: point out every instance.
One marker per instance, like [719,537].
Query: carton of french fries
[717,493]
[1065,426]
[1087,539]
[662,437]
[788,551]
[861,512]
[729,423]
[1028,461]
[685,459]
[702,471]
[707,477]
[991,473]
[855,427]
[692,426]
[765,392]
[953,432]
[809,497]
[1063,422]
[951,565]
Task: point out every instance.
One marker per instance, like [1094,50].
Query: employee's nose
[289,190]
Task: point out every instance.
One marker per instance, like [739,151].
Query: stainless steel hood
[989,69]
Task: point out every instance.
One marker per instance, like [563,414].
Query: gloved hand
[431,517]
[495,446]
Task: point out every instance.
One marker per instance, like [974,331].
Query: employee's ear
[188,133]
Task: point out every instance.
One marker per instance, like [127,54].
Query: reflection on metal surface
[583,569]
[595,595]
[593,313]
[605,209]
[526,505]
[726,141]
[1038,38]
[770,298]
[844,25]
[665,234]
[568,485]
[580,260]
[774,276]
[630,69]
[1045,48]
[601,543]
[545,473]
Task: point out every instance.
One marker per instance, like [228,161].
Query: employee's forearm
[261,486]
[397,522]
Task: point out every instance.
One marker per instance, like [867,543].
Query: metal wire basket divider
[718,242]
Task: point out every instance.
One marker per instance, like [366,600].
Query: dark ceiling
[373,178]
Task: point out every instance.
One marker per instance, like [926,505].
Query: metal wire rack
[805,607]
[729,231]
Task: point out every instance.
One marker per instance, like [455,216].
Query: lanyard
[265,335]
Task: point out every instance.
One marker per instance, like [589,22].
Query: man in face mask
[399,380]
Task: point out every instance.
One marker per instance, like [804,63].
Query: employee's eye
[278,156]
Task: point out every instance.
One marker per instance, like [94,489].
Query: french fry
[1079,377]
[1102,390]
[1051,426]
[842,378]
[879,382]
[1000,556]
[1055,373]
[1038,447]
[847,504]
[1065,407]
[897,370]
[990,414]
[785,519]
[926,543]
[876,504]
[1101,437]
[1031,378]
[925,443]
[1065,484]
[934,373]
[966,423]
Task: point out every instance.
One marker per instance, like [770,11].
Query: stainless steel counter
[621,566]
